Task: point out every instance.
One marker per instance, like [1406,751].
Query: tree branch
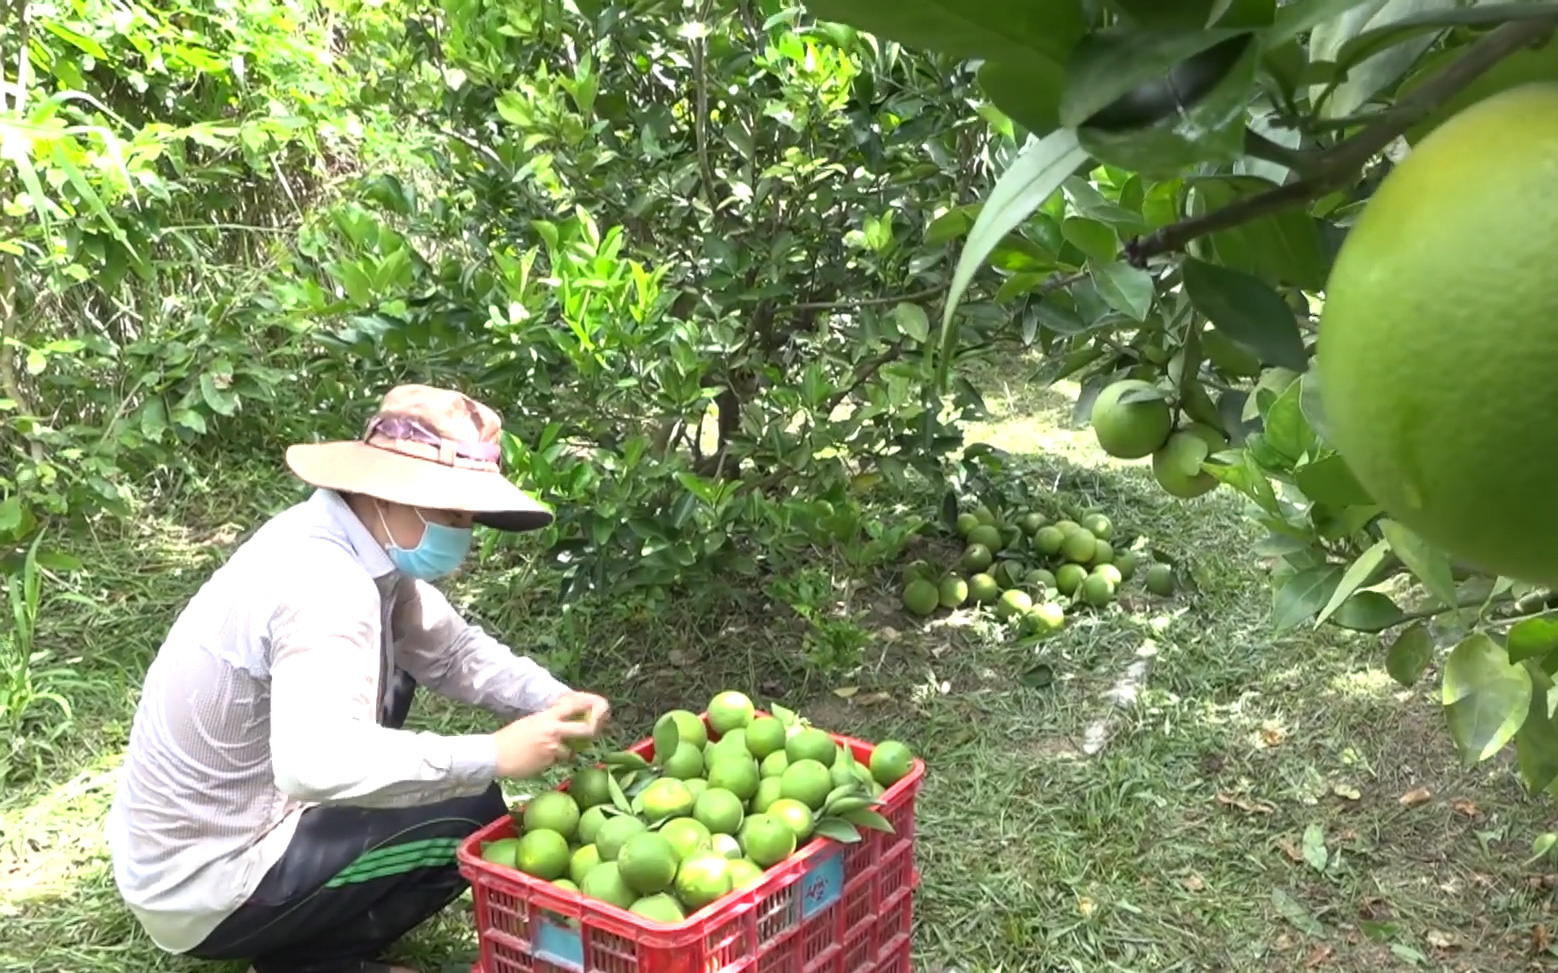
[1337,166]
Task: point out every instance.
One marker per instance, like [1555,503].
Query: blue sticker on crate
[559,944]
[822,886]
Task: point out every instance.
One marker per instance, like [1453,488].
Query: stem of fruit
[1339,165]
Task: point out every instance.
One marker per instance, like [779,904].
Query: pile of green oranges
[1028,569]
[720,803]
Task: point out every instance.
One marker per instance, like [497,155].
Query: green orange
[1439,338]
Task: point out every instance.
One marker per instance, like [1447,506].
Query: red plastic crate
[829,908]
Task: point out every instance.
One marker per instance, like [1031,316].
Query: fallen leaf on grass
[1246,804]
[1270,736]
[1317,956]
[888,634]
[1439,940]
[1290,848]
[844,692]
[683,657]
[1462,806]
[1086,907]
[1541,939]
[1416,796]
[1193,882]
[1345,791]
[871,699]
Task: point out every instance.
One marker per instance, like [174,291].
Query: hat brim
[356,467]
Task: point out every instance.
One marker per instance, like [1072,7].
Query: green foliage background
[723,266]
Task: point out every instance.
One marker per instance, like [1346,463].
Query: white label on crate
[822,886]
[559,944]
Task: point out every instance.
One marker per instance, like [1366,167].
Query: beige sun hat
[430,448]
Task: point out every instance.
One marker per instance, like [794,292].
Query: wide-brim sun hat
[426,447]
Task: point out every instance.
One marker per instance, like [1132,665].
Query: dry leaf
[1270,736]
[1086,907]
[1343,837]
[1193,882]
[1290,849]
[1284,942]
[888,634]
[682,658]
[1540,939]
[1246,805]
[1462,806]
[1439,940]
[1416,796]
[1317,956]
[844,692]
[1346,791]
[871,699]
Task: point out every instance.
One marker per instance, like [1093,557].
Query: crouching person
[271,807]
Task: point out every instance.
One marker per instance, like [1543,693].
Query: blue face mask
[441,550]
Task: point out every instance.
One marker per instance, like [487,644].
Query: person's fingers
[569,706]
[574,730]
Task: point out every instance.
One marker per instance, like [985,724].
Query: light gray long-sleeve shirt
[266,699]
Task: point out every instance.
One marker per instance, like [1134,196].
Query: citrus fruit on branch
[1438,345]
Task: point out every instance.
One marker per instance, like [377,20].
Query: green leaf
[1166,13]
[1364,80]
[1248,311]
[1542,846]
[1150,66]
[1125,288]
[1010,30]
[1487,698]
[10,514]
[1300,15]
[1028,91]
[1283,248]
[1286,430]
[625,758]
[1093,237]
[1300,595]
[1533,638]
[1329,481]
[1357,573]
[1409,655]
[1205,126]
[666,739]
[787,717]
[1035,175]
[1428,563]
[1313,844]
[1536,742]
[911,320]
[838,830]
[618,799]
[1368,611]
[867,818]
[1431,15]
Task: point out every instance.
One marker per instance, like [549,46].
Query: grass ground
[1190,792]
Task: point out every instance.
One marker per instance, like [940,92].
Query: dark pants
[353,880]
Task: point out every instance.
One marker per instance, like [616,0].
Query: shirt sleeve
[457,659]
[327,746]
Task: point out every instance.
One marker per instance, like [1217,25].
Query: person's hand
[597,710]
[530,745]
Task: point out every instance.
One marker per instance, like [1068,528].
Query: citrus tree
[690,250]
[1190,170]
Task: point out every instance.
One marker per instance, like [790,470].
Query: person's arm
[326,744]
[454,658]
